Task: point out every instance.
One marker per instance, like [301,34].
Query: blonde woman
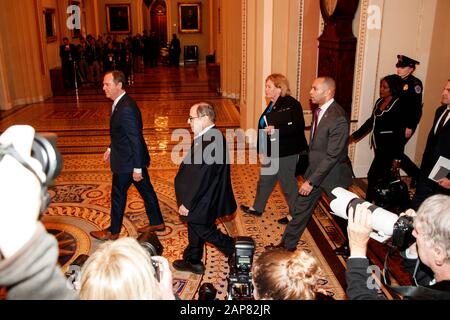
[280,274]
[123,270]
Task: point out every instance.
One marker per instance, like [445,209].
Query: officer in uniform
[412,96]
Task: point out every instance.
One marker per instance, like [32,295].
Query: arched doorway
[158,18]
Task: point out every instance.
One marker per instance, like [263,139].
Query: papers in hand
[440,169]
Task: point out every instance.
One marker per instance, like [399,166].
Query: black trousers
[199,234]
[120,185]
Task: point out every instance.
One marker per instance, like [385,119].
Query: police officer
[412,99]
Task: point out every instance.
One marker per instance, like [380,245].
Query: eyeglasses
[192,118]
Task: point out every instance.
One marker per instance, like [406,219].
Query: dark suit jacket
[329,165]
[287,117]
[128,147]
[388,128]
[437,144]
[203,182]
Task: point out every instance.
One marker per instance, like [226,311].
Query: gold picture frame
[50,24]
[118,18]
[189,17]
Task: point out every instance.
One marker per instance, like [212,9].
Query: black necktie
[442,122]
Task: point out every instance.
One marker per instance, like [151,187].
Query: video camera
[239,279]
[44,150]
[385,223]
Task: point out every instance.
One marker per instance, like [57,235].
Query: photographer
[28,254]
[123,270]
[431,230]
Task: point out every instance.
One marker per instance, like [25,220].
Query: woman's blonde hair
[119,270]
[279,274]
[281,82]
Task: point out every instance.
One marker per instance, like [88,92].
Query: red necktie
[316,119]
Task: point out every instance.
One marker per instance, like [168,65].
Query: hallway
[81,195]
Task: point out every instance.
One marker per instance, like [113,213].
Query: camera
[385,223]
[150,242]
[44,150]
[239,279]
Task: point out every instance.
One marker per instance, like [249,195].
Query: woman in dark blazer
[281,138]
[387,125]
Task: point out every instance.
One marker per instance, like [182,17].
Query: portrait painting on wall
[118,18]
[189,17]
[50,24]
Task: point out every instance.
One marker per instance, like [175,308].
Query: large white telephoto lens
[382,220]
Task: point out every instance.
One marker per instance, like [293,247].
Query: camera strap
[412,292]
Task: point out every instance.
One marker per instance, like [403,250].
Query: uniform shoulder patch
[418,89]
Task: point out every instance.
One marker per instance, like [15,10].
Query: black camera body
[402,234]
[150,242]
[239,279]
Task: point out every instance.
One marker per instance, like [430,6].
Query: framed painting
[118,18]
[50,24]
[189,17]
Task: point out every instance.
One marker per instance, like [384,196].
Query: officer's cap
[404,61]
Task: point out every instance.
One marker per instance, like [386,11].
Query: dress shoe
[247,209]
[104,235]
[342,251]
[183,265]
[278,246]
[284,220]
[159,227]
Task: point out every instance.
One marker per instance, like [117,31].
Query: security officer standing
[412,99]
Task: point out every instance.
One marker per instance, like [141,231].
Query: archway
[158,18]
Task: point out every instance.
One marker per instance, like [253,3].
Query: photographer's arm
[33,273]
[358,272]
[165,278]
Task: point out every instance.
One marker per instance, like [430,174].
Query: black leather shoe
[278,246]
[186,266]
[342,251]
[284,220]
[247,209]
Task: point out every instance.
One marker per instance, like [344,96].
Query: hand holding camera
[359,229]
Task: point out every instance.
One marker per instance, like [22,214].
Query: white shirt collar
[324,109]
[204,131]
[117,100]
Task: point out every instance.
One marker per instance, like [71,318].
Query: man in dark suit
[329,166]
[68,55]
[438,144]
[203,189]
[129,158]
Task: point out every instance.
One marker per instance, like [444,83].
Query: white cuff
[137,170]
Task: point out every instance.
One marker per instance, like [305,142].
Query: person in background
[412,90]
[285,114]
[387,126]
[438,145]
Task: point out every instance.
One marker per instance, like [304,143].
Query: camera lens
[45,151]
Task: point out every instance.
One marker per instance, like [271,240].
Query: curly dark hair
[394,82]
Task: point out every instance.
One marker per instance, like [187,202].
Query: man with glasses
[203,189]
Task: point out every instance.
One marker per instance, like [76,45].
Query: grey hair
[433,217]
[206,109]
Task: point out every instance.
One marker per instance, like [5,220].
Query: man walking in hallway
[129,158]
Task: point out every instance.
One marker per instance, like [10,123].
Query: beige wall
[412,37]
[229,53]
[438,72]
[200,39]
[23,66]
